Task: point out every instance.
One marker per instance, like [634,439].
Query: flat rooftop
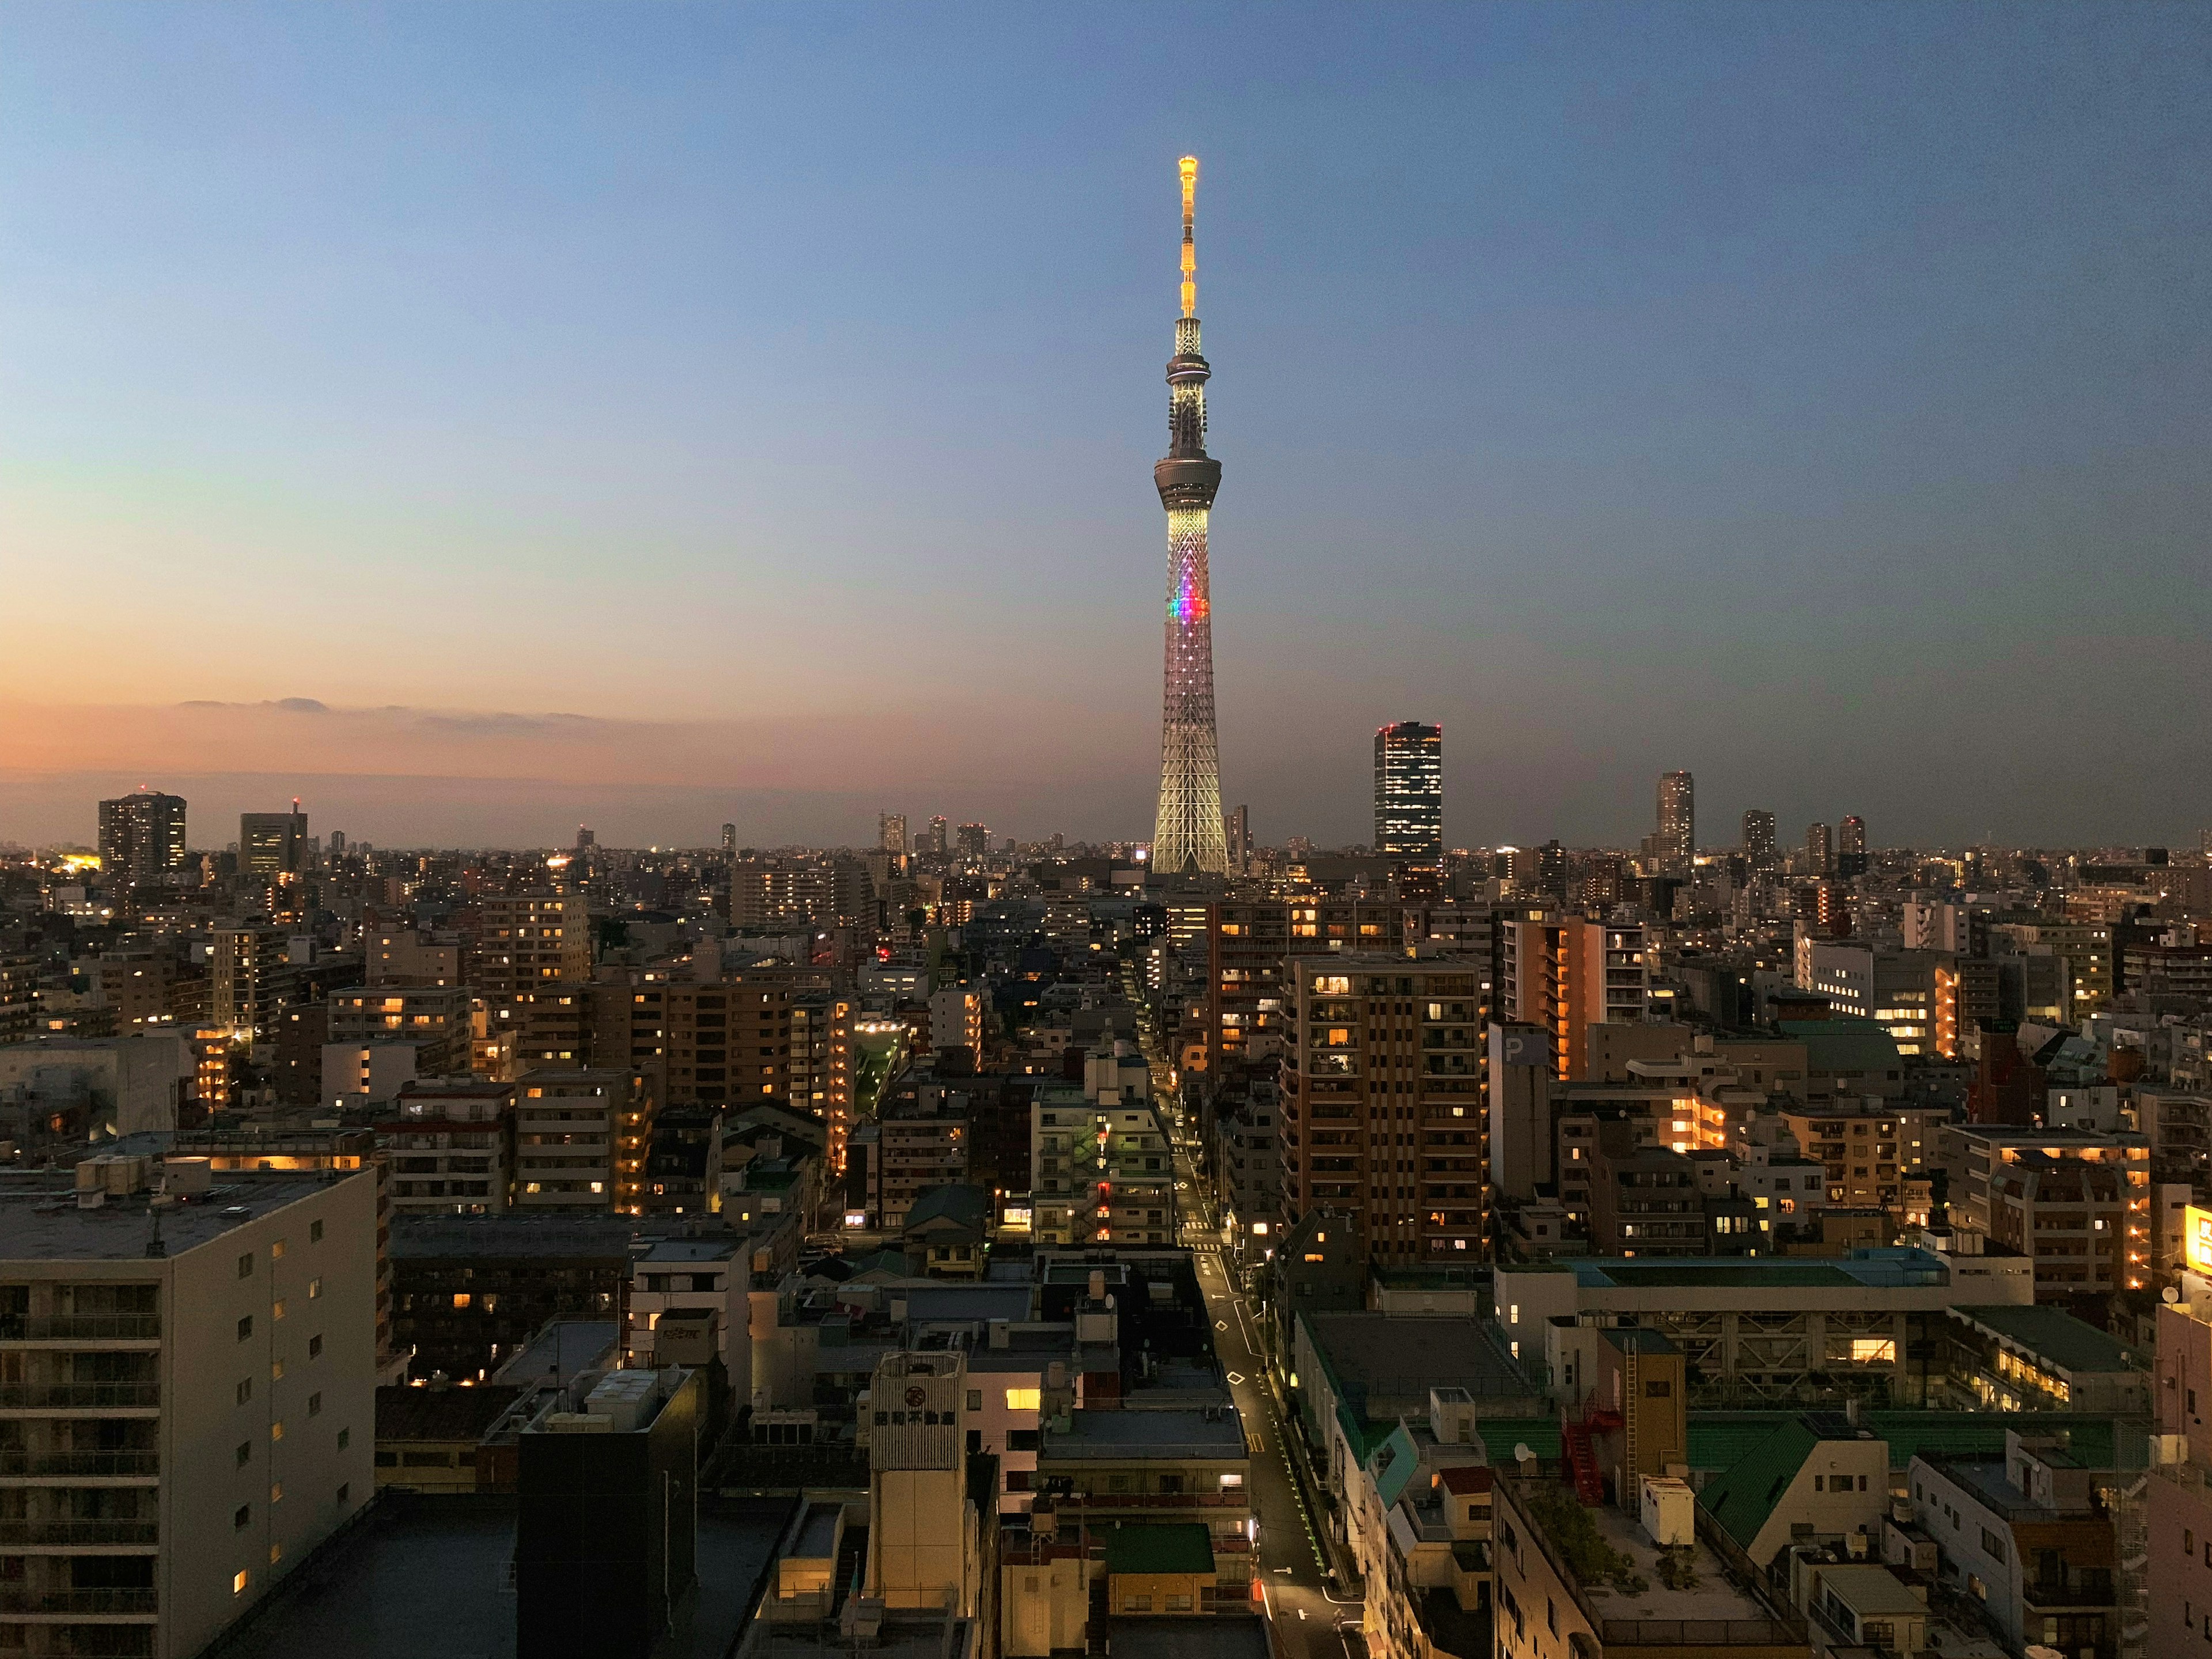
[2052,1333]
[1712,1595]
[47,1225]
[429,1575]
[667,1251]
[1112,1435]
[1383,1360]
[1887,1267]
[434,1236]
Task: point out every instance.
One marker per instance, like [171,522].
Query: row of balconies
[80,1328]
[74,1464]
[80,1396]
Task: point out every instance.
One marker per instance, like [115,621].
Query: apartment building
[1565,973]
[1251,945]
[920,1143]
[1101,1171]
[187,1398]
[1874,1153]
[581,1140]
[405,956]
[450,1143]
[435,1018]
[530,939]
[1382,1114]
[722,1041]
[252,978]
[2076,1201]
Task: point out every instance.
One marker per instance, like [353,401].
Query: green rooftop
[1741,1499]
[1185,1548]
[2055,1336]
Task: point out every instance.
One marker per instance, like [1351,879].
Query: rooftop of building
[1873,1591]
[44,1222]
[444,1413]
[1190,1639]
[2055,1336]
[340,1603]
[1743,1498]
[1885,1266]
[433,1236]
[1383,1357]
[1111,1436]
[675,1252]
[562,1349]
[1589,1543]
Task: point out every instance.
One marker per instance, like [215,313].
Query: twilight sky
[656,415]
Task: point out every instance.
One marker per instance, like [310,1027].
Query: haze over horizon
[652,419]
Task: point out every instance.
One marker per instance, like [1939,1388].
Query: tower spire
[1190,165]
[1188,836]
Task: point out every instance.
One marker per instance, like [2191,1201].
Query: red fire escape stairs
[1575,1435]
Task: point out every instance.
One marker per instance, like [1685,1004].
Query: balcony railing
[78,1532]
[80,1328]
[79,1396]
[1698,1634]
[120,1600]
[33,1465]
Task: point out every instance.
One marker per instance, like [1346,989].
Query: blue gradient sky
[1815,398]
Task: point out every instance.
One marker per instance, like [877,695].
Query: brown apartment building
[1382,1113]
[1252,945]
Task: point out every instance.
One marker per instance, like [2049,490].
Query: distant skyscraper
[585,838]
[1188,835]
[338,843]
[729,838]
[1677,839]
[1239,832]
[142,837]
[1759,838]
[1409,796]
[1820,850]
[1851,847]
[890,833]
[272,843]
[975,841]
[940,840]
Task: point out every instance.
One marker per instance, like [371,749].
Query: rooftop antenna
[1188,166]
[156,1247]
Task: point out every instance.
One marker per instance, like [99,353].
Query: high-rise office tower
[1759,838]
[585,838]
[940,840]
[1188,835]
[1409,796]
[975,841]
[890,833]
[729,838]
[1677,839]
[142,837]
[1851,847]
[1820,850]
[272,843]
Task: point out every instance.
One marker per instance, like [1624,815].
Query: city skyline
[1598,390]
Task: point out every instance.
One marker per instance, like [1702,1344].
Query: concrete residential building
[450,1142]
[142,837]
[435,1018]
[1101,1171]
[404,956]
[1382,1114]
[567,1126]
[1250,946]
[190,1407]
[710,1275]
[526,940]
[1566,974]
[252,978]
[2075,1202]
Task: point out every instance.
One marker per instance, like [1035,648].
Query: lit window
[1025,1400]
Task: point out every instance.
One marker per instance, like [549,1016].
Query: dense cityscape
[1759,1240]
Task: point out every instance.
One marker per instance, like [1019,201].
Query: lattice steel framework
[1189,834]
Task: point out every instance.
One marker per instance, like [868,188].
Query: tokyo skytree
[1188,836]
